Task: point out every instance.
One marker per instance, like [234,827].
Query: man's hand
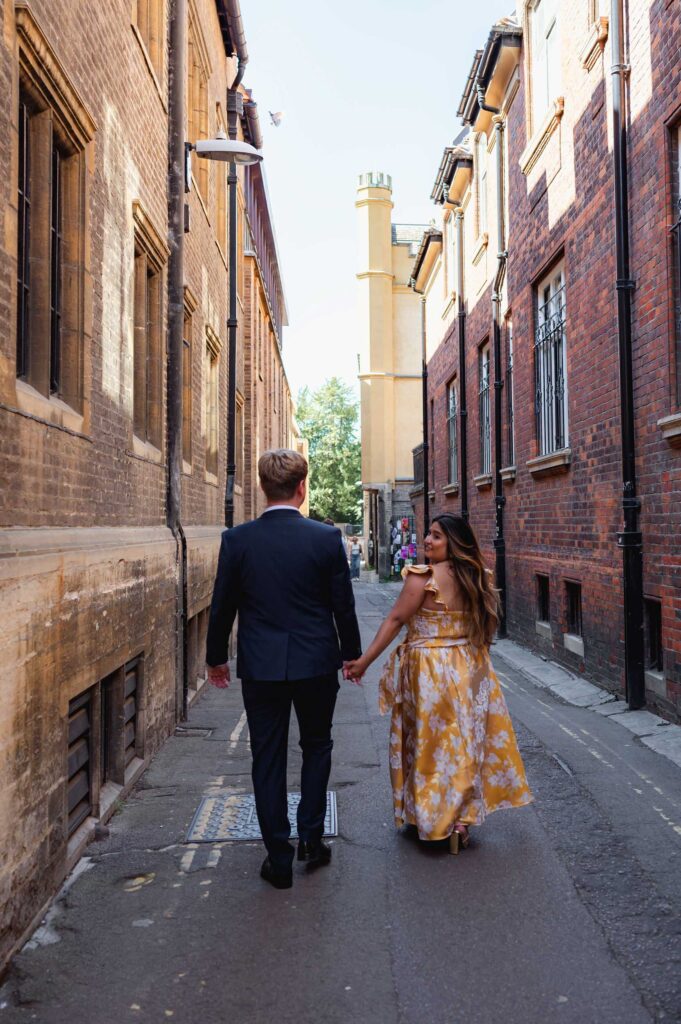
[218,675]
[350,672]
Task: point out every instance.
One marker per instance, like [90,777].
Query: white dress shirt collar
[275,508]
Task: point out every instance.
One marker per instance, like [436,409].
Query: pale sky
[370,85]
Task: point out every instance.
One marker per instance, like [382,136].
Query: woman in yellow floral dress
[453,751]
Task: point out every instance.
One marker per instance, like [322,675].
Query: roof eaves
[429,235]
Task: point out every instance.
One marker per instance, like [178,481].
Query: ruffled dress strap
[431,585]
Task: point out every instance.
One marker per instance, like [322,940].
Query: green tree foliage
[328,419]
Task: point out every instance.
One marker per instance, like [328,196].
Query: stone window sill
[656,682]
[186,468]
[550,465]
[508,474]
[144,450]
[543,629]
[573,643]
[671,428]
[52,411]
[415,491]
[452,489]
[539,141]
[211,479]
[483,481]
[595,43]
[480,247]
[431,495]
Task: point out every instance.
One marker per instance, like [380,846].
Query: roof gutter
[237,35]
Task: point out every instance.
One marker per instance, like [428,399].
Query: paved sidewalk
[564,912]
[654,732]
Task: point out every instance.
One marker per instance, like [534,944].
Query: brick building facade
[527,257]
[104,605]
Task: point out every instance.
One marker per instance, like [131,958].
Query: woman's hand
[355,669]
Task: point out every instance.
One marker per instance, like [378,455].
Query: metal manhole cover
[222,818]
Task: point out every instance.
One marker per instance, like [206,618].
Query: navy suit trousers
[268,710]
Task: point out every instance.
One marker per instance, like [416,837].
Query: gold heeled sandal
[459,839]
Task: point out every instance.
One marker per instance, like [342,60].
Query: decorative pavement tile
[223,818]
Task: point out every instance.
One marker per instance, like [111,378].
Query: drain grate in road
[224,818]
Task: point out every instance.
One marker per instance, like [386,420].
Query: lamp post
[232,151]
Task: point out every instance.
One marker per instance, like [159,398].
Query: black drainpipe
[499,499]
[630,539]
[235,109]
[463,404]
[176,161]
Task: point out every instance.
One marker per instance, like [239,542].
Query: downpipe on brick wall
[176,160]
[463,403]
[499,499]
[235,109]
[630,540]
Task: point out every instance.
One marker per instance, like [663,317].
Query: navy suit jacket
[287,577]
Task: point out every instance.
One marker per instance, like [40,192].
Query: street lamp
[232,151]
[220,148]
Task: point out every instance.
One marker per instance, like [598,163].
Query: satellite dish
[276,117]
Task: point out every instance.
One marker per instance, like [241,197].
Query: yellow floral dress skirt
[453,752]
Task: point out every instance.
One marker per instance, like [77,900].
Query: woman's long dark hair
[474,578]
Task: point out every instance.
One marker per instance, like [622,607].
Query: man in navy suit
[287,577]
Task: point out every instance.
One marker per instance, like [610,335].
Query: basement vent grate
[224,818]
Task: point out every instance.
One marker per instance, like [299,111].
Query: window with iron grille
[79,788]
[510,436]
[573,597]
[108,730]
[484,410]
[676,249]
[543,598]
[130,708]
[452,436]
[654,652]
[550,364]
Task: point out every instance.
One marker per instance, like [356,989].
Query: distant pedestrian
[287,578]
[355,557]
[453,752]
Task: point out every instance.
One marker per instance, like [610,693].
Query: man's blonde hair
[280,472]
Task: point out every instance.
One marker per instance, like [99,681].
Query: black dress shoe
[317,853]
[279,879]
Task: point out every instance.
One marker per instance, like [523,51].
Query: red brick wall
[566,525]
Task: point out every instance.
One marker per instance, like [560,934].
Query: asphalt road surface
[565,911]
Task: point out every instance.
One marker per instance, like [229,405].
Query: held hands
[218,676]
[354,670]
